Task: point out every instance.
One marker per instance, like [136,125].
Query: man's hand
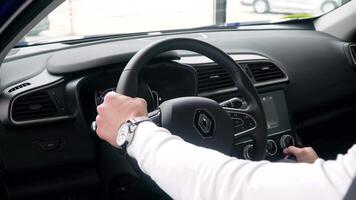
[306,154]
[116,110]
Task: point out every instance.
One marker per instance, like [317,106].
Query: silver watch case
[127,130]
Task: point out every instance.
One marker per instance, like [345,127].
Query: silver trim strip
[191,60]
[217,92]
[352,55]
[269,135]
[243,142]
[241,133]
[157,97]
[154,114]
[280,132]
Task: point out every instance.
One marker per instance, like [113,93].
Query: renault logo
[204,123]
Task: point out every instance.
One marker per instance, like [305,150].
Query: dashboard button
[271,149]
[238,122]
[249,124]
[234,115]
[248,152]
[49,145]
[240,129]
[286,141]
[241,121]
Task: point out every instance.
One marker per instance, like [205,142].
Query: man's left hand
[116,110]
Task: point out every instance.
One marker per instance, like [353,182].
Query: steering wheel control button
[232,103]
[241,121]
[238,122]
[286,141]
[204,123]
[248,152]
[49,145]
[272,148]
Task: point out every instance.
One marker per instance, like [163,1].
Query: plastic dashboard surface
[316,63]
[318,66]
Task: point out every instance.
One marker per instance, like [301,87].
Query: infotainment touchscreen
[270,111]
[276,111]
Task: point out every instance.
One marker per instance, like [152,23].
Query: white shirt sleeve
[186,171]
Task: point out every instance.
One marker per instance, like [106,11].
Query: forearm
[181,169]
[186,171]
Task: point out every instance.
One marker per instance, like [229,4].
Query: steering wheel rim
[128,82]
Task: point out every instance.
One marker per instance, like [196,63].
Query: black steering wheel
[202,121]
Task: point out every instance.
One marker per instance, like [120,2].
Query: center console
[280,134]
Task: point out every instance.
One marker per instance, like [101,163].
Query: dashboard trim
[36,121]
[271,82]
[197,59]
[269,135]
[240,59]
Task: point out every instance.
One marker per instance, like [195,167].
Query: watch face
[122,135]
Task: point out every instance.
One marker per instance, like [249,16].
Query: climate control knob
[286,141]
[271,149]
[248,152]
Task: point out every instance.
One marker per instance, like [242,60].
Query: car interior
[264,87]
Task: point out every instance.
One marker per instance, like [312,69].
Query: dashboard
[194,75]
[303,78]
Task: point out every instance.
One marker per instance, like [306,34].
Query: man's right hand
[306,154]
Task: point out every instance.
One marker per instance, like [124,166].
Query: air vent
[33,106]
[212,78]
[353,53]
[265,71]
[19,87]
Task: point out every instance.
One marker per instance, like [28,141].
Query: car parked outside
[292,6]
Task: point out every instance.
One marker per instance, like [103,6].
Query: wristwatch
[127,130]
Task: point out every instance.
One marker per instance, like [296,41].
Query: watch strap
[133,124]
[137,120]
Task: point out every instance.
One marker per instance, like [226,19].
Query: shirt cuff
[143,132]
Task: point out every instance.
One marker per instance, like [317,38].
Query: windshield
[76,19]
